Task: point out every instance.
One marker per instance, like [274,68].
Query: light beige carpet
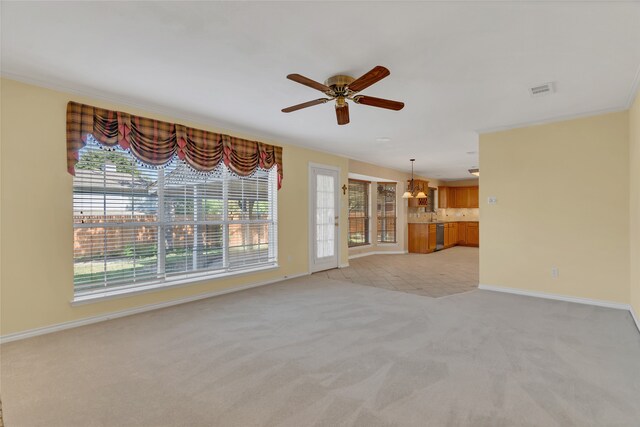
[318,352]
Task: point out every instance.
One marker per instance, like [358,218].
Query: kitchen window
[386,212]
[431,200]
[137,227]
[358,213]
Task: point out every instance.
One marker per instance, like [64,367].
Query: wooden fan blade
[376,74]
[308,82]
[305,105]
[342,113]
[379,102]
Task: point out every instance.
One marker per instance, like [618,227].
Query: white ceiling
[460,67]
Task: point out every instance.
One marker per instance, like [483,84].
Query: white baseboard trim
[579,300]
[377,253]
[635,317]
[343,265]
[130,311]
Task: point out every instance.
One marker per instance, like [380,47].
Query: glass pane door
[324,218]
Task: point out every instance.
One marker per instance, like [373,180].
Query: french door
[324,212]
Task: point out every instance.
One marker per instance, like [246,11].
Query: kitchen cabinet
[462,233]
[418,185]
[432,237]
[473,234]
[454,233]
[422,236]
[450,234]
[417,203]
[474,197]
[443,197]
[419,238]
[446,235]
[458,197]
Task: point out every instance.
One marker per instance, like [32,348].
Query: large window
[386,212]
[140,227]
[358,213]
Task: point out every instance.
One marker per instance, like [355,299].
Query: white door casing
[324,217]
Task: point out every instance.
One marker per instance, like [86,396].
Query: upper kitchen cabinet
[418,185]
[444,199]
[458,197]
[474,197]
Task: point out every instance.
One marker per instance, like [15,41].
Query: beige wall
[36,279]
[634,197]
[557,186]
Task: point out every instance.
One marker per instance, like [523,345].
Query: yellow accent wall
[634,197]
[36,274]
[563,201]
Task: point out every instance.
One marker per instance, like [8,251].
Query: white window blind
[386,212]
[358,213]
[136,226]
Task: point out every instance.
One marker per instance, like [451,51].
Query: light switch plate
[492,200]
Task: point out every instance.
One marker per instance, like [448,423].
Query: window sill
[126,291]
[387,244]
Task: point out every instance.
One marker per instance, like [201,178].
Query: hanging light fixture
[411,191]
[475,172]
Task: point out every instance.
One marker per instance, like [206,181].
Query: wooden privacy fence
[90,241]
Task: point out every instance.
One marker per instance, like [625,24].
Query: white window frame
[165,280]
[368,217]
[395,211]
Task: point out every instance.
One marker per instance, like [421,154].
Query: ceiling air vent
[541,90]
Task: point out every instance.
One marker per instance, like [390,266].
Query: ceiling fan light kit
[342,88]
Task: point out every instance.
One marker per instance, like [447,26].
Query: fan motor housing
[339,81]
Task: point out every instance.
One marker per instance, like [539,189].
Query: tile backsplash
[470,214]
[451,214]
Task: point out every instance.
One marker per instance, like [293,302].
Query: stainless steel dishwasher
[439,236]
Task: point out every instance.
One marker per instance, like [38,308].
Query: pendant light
[409,194]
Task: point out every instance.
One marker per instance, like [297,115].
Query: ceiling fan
[343,88]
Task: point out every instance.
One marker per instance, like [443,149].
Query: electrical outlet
[555,273]
[492,200]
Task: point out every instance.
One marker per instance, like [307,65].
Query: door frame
[311,214]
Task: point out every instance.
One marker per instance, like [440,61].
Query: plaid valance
[155,143]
